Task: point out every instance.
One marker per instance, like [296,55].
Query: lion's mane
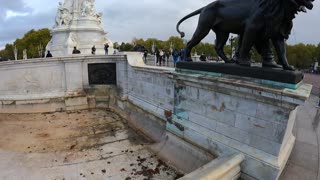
[278,16]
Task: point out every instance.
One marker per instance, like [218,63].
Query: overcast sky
[126,19]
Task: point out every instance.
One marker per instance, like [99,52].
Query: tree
[31,41]
[126,46]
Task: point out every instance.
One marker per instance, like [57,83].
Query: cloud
[13,7]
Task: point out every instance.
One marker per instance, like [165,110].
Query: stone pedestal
[230,115]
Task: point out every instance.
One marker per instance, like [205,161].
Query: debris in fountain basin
[78,139]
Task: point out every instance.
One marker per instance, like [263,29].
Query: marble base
[83,33]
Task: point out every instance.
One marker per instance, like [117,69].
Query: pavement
[89,144]
[304,161]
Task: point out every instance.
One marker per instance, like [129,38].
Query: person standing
[175,56]
[49,55]
[106,48]
[182,54]
[167,57]
[203,57]
[76,51]
[161,54]
[93,50]
[158,57]
[145,55]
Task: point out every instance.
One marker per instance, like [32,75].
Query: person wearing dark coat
[76,51]
[93,50]
[49,55]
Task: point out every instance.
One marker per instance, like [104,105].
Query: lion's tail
[182,34]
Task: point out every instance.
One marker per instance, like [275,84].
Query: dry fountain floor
[89,144]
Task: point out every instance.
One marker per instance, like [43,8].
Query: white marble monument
[77,24]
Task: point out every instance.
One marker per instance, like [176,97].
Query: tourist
[182,55]
[106,48]
[93,50]
[158,57]
[76,51]
[145,55]
[49,55]
[203,57]
[161,53]
[168,57]
[175,56]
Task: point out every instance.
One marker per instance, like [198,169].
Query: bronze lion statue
[257,22]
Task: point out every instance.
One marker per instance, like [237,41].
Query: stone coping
[302,93]
[72,58]
[225,167]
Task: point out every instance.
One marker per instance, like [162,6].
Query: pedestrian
[158,57]
[203,57]
[182,55]
[76,51]
[161,53]
[49,55]
[175,56]
[93,50]
[167,57]
[106,48]
[145,55]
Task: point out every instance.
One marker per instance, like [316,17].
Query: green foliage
[30,41]
[7,53]
[302,56]
[205,48]
[126,46]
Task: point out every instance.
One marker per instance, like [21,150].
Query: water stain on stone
[222,107]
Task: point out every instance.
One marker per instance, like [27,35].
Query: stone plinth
[229,115]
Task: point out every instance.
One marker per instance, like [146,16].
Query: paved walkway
[304,161]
